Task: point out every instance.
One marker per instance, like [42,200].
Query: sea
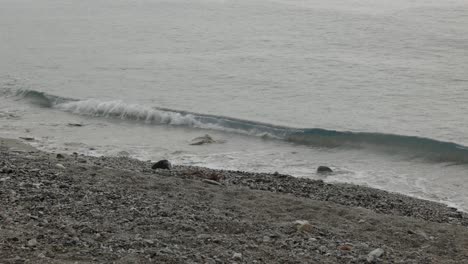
[375,89]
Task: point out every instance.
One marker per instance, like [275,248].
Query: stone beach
[69,208]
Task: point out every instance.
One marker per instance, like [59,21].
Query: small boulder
[324,169]
[162,164]
[60,156]
[60,166]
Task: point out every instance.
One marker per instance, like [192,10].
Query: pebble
[32,242]
[60,166]
[323,249]
[303,226]
[374,255]
[345,247]
[237,256]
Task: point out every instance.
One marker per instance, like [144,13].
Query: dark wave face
[419,147]
[41,99]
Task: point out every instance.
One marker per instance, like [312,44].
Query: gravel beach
[69,208]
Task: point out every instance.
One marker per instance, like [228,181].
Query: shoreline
[114,209]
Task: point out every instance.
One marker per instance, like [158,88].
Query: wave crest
[420,147]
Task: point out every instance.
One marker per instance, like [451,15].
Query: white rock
[374,254]
[32,242]
[237,256]
[60,166]
[303,226]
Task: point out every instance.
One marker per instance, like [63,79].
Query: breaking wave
[419,147]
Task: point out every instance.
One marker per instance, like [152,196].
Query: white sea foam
[119,109]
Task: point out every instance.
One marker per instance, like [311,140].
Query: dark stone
[60,156]
[324,169]
[75,125]
[27,138]
[162,164]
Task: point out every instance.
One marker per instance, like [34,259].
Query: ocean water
[375,89]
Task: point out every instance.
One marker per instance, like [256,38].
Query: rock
[345,247]
[237,256]
[32,242]
[323,249]
[303,226]
[6,170]
[75,124]
[60,156]
[27,138]
[206,139]
[324,169]
[60,166]
[374,255]
[162,164]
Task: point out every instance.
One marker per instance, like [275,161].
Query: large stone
[162,164]
[324,169]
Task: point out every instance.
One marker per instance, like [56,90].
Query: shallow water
[362,66]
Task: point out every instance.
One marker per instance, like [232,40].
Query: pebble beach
[70,208]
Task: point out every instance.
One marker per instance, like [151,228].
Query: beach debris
[162,164]
[211,182]
[206,139]
[374,255]
[324,169]
[60,166]
[75,124]
[60,156]
[303,226]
